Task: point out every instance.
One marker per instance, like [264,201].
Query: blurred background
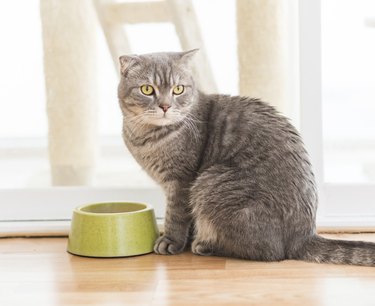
[24,156]
[248,47]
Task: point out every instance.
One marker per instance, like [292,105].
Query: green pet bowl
[114,229]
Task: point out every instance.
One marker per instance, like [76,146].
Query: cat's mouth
[162,120]
[165,118]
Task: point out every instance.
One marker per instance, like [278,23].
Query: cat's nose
[164,107]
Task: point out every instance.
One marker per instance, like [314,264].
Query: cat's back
[250,135]
[250,138]
[242,125]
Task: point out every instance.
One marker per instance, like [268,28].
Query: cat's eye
[147,90]
[179,89]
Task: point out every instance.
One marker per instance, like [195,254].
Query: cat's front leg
[177,221]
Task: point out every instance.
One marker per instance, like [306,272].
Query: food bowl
[113,229]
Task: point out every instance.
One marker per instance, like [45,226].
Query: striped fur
[232,168]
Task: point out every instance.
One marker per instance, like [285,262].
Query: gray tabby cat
[235,172]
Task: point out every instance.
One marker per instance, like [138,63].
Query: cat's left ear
[127,61]
[187,56]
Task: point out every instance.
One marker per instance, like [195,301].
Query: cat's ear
[127,61]
[187,56]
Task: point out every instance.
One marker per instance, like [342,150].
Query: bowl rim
[79,210]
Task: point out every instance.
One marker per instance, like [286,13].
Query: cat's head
[157,88]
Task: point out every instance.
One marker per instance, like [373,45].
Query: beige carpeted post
[69,64]
[262,54]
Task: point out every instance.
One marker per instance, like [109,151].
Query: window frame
[336,208]
[57,203]
[336,204]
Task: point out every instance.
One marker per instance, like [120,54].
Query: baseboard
[60,228]
[56,228]
[345,224]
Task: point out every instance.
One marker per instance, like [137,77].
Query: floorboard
[38,271]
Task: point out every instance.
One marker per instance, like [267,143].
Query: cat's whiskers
[194,118]
[138,122]
[151,114]
[133,127]
[189,123]
[192,128]
[132,121]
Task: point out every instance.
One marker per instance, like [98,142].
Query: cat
[236,175]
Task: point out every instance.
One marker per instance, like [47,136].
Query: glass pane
[24,152]
[348,67]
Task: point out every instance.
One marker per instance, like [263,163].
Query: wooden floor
[40,272]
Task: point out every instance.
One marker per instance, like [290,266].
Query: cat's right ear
[126,62]
[187,56]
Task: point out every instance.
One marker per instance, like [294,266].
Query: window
[336,64]
[334,54]
[27,190]
[348,65]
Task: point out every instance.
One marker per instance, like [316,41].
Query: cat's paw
[166,246]
[202,248]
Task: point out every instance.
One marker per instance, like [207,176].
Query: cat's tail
[319,249]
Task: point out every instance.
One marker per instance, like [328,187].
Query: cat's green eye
[179,89]
[147,90]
